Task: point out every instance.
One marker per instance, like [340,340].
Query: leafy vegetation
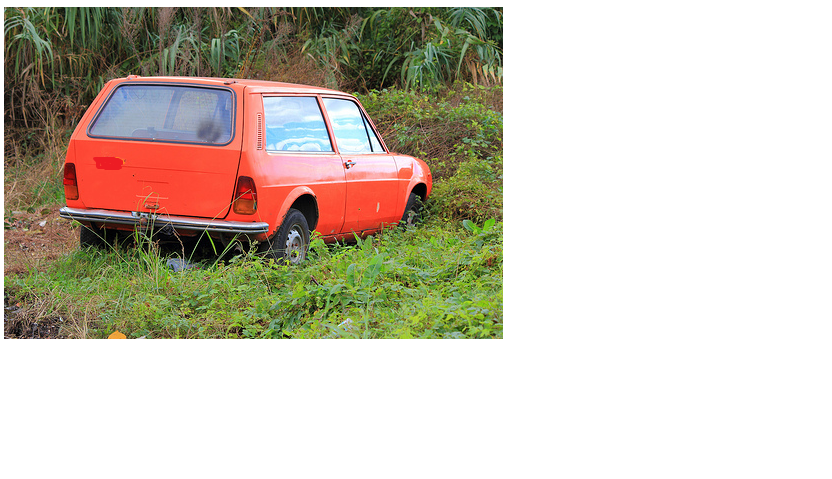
[459,134]
[442,279]
[60,57]
[397,284]
[423,47]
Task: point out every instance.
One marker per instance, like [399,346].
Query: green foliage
[459,133]
[433,64]
[427,47]
[446,129]
[440,281]
[27,44]
[58,58]
[473,192]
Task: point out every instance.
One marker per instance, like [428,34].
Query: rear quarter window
[172,113]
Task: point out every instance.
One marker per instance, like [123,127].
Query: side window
[352,131]
[374,143]
[295,124]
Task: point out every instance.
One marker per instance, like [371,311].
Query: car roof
[257,86]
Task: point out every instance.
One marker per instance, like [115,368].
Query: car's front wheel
[291,241]
[412,211]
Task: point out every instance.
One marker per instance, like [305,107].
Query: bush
[459,133]
[474,192]
[445,129]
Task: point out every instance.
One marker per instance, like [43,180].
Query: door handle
[349,164]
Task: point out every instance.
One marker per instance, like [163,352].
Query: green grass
[435,281]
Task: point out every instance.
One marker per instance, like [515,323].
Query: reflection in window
[374,143]
[352,132]
[295,124]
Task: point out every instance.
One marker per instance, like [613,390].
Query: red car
[235,159]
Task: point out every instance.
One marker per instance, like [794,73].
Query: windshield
[171,113]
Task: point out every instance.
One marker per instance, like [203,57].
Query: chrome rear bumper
[161,221]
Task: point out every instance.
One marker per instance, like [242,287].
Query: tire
[291,241]
[95,238]
[412,211]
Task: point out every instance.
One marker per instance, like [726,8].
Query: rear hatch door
[167,148]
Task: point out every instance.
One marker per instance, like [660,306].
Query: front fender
[422,174]
[419,175]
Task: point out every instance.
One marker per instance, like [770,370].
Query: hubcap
[295,249]
[411,218]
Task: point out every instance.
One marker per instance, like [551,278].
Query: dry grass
[288,64]
[490,97]
[47,316]
[35,181]
[31,186]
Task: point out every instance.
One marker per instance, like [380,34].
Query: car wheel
[291,241]
[412,211]
[95,238]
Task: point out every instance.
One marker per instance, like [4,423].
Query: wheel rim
[295,245]
[412,217]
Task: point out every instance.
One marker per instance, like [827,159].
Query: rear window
[167,113]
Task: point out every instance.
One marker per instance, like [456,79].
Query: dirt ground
[30,239]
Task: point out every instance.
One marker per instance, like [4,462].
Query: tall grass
[423,48]
[58,58]
[34,180]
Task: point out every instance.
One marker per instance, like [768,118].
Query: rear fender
[288,202]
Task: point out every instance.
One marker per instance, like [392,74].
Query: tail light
[70,182]
[245,196]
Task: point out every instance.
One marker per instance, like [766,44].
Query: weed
[439,128]
[397,284]
[474,192]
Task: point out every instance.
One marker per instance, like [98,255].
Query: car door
[371,173]
[299,153]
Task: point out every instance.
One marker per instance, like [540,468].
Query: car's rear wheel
[95,237]
[412,211]
[291,241]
